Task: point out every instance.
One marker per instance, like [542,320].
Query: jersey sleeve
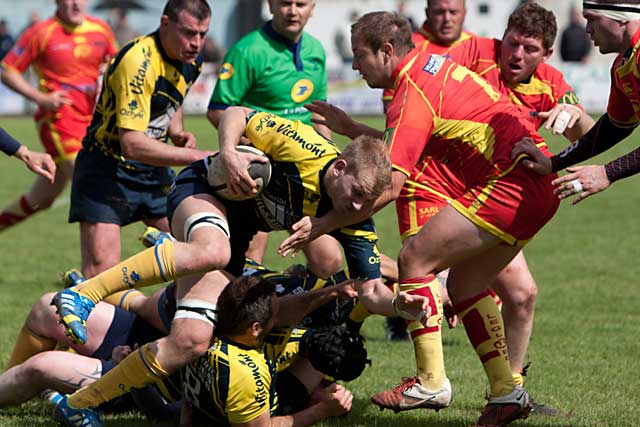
[133,82]
[25,51]
[360,244]
[263,132]
[235,79]
[409,129]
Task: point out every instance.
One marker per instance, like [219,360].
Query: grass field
[584,350]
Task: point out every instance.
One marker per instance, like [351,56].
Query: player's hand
[40,163]
[184,139]
[533,158]
[120,352]
[583,181]
[347,289]
[560,118]
[52,101]
[302,232]
[335,400]
[412,307]
[330,116]
[235,166]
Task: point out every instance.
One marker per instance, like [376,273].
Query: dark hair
[377,28]
[197,8]
[533,20]
[244,301]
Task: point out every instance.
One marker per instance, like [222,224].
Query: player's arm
[335,401]
[50,101]
[136,145]
[300,304]
[40,163]
[338,121]
[214,117]
[177,134]
[235,164]
[309,228]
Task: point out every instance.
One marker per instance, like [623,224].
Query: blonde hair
[369,154]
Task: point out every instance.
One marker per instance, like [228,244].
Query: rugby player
[67,52]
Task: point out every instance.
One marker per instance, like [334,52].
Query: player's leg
[62,371]
[99,247]
[517,289]
[324,256]
[41,331]
[189,338]
[40,196]
[61,141]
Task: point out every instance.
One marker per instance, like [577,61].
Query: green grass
[585,342]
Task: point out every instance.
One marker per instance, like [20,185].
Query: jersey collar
[294,48]
[176,63]
[404,66]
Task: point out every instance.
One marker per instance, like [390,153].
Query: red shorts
[513,206]
[61,137]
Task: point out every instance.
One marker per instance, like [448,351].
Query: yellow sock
[518,378]
[427,341]
[359,313]
[149,267]
[138,369]
[123,299]
[27,344]
[483,322]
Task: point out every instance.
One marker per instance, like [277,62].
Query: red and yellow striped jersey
[624,97]
[424,41]
[541,92]
[65,57]
[443,110]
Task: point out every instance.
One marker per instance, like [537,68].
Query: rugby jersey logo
[226,71]
[433,64]
[302,90]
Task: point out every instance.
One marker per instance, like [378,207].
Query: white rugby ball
[259,172]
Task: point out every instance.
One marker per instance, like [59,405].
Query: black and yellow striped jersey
[141,90]
[233,383]
[299,158]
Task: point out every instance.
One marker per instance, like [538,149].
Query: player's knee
[325,267]
[42,314]
[211,256]
[521,298]
[406,258]
[190,337]
[37,367]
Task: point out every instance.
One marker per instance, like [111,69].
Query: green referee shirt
[268,72]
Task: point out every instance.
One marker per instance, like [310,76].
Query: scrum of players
[231,342]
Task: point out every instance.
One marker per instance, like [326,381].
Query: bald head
[445,19]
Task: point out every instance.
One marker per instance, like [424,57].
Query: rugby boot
[72,278]
[151,236]
[75,417]
[73,310]
[502,410]
[410,394]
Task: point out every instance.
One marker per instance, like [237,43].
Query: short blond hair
[369,154]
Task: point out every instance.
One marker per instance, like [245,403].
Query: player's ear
[548,54]
[164,20]
[340,167]
[387,50]
[256,329]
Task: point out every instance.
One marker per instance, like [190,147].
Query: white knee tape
[196,309]
[205,219]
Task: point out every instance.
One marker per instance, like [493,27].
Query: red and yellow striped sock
[427,341]
[16,212]
[483,322]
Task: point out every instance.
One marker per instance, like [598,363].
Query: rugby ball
[259,172]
